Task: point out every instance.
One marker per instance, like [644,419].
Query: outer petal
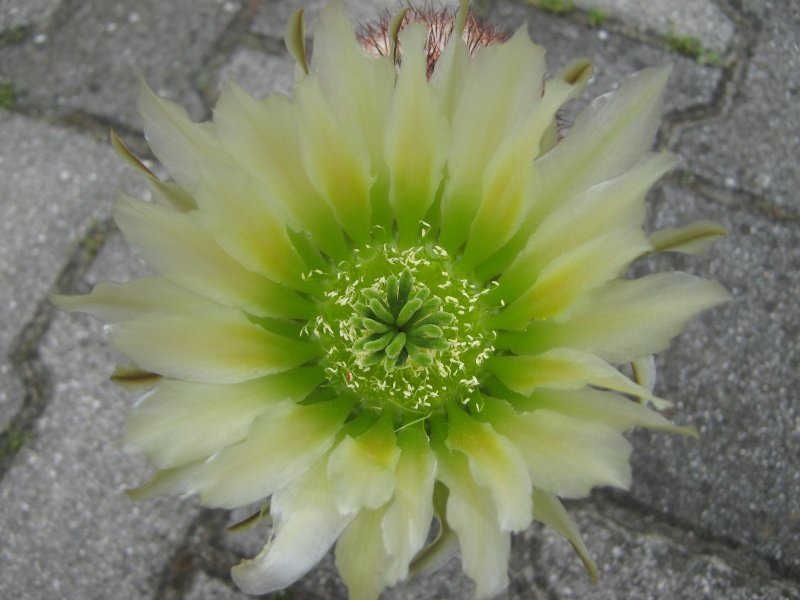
[112,302]
[416,138]
[568,278]
[177,245]
[409,514]
[208,345]
[607,139]
[563,369]
[596,406]
[471,513]
[548,510]
[361,556]
[501,85]
[624,319]
[283,443]
[495,464]
[336,159]
[603,207]
[182,421]
[249,225]
[181,145]
[262,138]
[307,524]
[362,468]
[564,455]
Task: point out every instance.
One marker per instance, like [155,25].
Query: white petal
[362,468]
[112,302]
[416,138]
[361,556]
[564,283]
[179,247]
[564,455]
[471,513]
[282,443]
[208,345]
[262,137]
[548,510]
[409,514]
[607,138]
[307,524]
[624,319]
[562,369]
[494,464]
[181,145]
[183,421]
[502,84]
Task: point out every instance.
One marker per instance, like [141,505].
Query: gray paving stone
[614,57]
[93,61]
[116,262]
[259,73]
[701,19]
[204,587]
[756,146]
[735,375]
[25,13]
[11,395]
[69,529]
[53,183]
[271,19]
[632,565]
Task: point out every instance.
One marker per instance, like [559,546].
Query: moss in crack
[556,7]
[8,95]
[692,47]
[596,17]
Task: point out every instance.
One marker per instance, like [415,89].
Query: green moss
[556,7]
[14,440]
[596,18]
[8,95]
[690,46]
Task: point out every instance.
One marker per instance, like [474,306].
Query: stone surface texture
[717,517]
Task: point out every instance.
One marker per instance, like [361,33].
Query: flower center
[400,330]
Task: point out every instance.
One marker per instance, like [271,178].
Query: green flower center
[400,330]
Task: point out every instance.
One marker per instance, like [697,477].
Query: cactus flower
[391,308]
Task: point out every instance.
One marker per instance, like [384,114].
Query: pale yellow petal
[409,515]
[306,526]
[495,464]
[624,319]
[208,345]
[549,510]
[362,468]
[607,139]
[563,283]
[562,369]
[336,159]
[603,207]
[184,421]
[261,135]
[564,455]
[471,513]
[416,138]
[361,556]
[282,444]
[247,222]
[502,85]
[112,302]
[695,238]
[597,406]
[182,249]
[181,145]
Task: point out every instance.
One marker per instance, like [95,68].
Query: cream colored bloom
[396,299]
